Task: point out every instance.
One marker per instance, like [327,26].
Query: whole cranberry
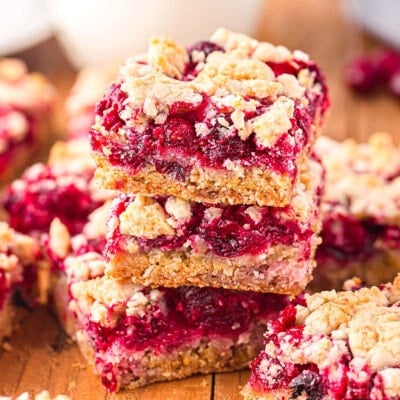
[388,64]
[362,75]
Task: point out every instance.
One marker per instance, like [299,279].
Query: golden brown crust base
[253,186]
[381,268]
[177,268]
[207,356]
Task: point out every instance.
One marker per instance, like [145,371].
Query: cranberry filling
[43,199]
[174,147]
[347,238]
[187,313]
[234,233]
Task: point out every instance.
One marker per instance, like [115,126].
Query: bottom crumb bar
[332,345]
[135,335]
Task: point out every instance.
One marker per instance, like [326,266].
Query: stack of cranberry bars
[215,221]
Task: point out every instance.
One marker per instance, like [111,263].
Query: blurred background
[58,37]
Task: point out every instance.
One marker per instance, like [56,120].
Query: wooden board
[41,357]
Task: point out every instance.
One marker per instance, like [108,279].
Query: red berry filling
[346,238]
[39,198]
[184,315]
[232,234]
[174,147]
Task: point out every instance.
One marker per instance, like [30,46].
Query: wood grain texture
[42,358]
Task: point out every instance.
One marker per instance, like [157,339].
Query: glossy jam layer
[346,238]
[232,234]
[174,148]
[42,198]
[184,315]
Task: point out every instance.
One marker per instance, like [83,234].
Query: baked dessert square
[226,121]
[19,256]
[134,335]
[89,87]
[332,345]
[63,188]
[26,101]
[360,212]
[168,241]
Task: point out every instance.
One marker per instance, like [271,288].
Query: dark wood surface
[41,356]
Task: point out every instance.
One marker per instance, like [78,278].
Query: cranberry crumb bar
[168,241]
[334,345]
[360,211]
[228,121]
[63,188]
[18,257]
[90,85]
[135,335]
[25,104]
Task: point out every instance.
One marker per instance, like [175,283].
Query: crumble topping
[84,267]
[274,122]
[391,381]
[291,86]
[144,217]
[24,247]
[96,226]
[162,89]
[367,318]
[59,241]
[226,77]
[363,179]
[167,56]
[179,209]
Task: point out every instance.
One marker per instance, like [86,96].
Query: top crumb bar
[228,120]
